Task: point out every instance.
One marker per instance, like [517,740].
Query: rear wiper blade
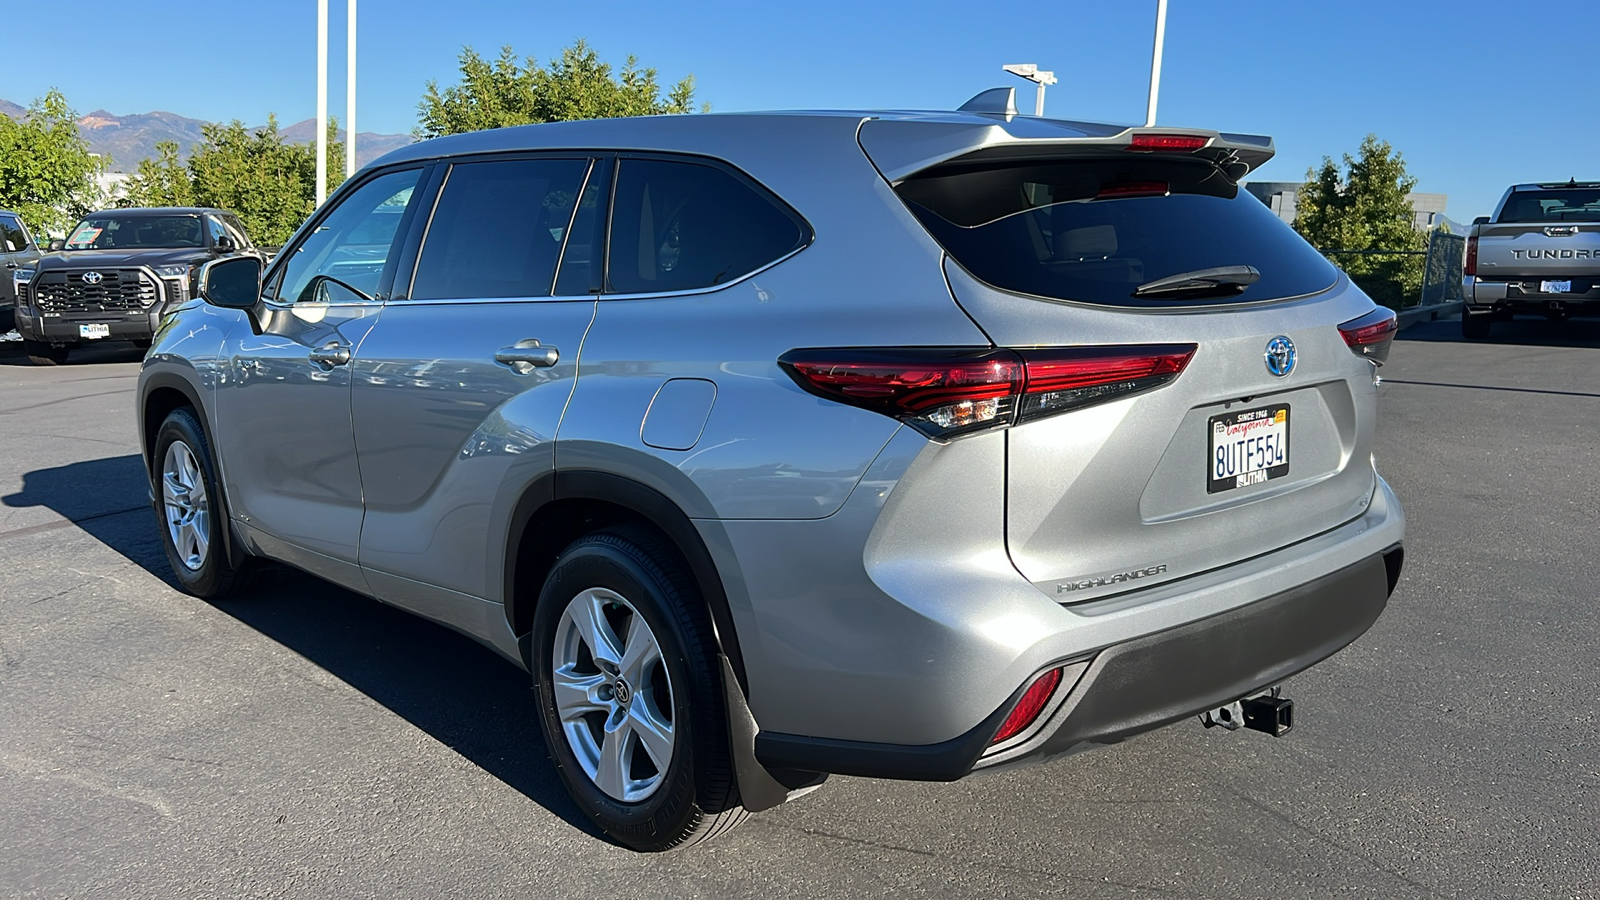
[1200,280]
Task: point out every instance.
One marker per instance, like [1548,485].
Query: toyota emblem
[91,277]
[1280,356]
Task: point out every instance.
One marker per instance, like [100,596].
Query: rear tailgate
[1068,249]
[1528,251]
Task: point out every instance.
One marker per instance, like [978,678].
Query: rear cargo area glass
[1571,205]
[1092,230]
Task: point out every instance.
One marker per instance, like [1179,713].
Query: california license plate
[1248,447]
[1555,287]
[94,332]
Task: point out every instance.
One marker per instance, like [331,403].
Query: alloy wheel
[187,509]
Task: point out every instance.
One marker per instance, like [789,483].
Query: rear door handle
[526,355]
[331,354]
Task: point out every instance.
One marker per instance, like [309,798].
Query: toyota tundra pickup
[116,275]
[1538,254]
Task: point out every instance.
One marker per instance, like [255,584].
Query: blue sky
[1476,94]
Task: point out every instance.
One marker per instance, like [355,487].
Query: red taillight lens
[1471,268]
[1028,708]
[1121,189]
[945,392]
[1172,143]
[1372,334]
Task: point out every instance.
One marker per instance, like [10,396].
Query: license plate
[1248,447]
[94,332]
[1555,287]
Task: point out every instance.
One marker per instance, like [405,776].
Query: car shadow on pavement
[1528,332]
[460,692]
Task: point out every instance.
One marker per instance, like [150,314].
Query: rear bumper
[1523,297]
[64,329]
[1139,685]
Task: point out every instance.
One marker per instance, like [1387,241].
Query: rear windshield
[1569,205]
[1094,230]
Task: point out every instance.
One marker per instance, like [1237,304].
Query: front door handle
[526,355]
[331,354]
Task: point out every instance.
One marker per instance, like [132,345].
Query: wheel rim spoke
[591,623]
[575,694]
[653,735]
[611,770]
[183,498]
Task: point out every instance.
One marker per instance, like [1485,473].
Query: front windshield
[136,233]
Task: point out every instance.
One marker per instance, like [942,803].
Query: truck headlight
[177,278]
[19,281]
[180,270]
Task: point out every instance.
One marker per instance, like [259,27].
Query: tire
[1475,328]
[43,354]
[612,582]
[191,522]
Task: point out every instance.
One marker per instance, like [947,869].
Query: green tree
[1363,207]
[47,173]
[163,181]
[577,85]
[271,185]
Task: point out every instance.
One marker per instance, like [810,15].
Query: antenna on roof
[1000,101]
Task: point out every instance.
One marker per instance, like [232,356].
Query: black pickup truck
[116,275]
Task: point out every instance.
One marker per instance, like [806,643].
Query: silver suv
[901,445]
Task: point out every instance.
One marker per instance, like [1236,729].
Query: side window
[498,229]
[236,228]
[12,238]
[678,226]
[580,261]
[215,230]
[356,240]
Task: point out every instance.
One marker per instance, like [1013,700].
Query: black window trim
[807,233]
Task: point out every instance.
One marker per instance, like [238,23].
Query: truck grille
[119,290]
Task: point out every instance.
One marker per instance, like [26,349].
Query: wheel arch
[160,394]
[560,507]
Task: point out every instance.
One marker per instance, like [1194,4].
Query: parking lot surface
[302,741]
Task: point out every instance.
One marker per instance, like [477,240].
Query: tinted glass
[498,228]
[1094,230]
[137,233]
[355,241]
[682,226]
[1569,205]
[217,231]
[12,240]
[580,260]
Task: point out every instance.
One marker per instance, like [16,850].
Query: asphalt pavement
[303,741]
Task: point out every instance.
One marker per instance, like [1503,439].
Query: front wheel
[44,354]
[630,693]
[190,505]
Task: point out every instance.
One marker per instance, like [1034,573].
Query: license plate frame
[94,331]
[1555,287]
[1235,441]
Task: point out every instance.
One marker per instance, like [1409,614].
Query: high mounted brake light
[1371,335]
[1171,143]
[1125,189]
[949,391]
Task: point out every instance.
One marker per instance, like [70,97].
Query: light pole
[350,95]
[322,101]
[1032,73]
[1155,62]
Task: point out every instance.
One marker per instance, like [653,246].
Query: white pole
[1038,101]
[1155,62]
[350,98]
[322,101]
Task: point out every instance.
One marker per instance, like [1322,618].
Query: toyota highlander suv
[116,275]
[891,444]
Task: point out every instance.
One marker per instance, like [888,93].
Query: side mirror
[58,245]
[1481,220]
[225,244]
[233,283]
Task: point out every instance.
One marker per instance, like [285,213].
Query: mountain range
[129,139]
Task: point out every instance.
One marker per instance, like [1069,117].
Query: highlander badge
[1280,356]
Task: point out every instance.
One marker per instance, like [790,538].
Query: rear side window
[498,228]
[680,226]
[1570,205]
[1094,230]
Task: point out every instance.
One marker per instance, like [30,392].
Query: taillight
[945,392]
[1372,334]
[1028,708]
[1471,268]
[1121,189]
[1172,143]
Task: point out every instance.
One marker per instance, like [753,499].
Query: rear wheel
[191,508]
[630,695]
[1475,327]
[43,354]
